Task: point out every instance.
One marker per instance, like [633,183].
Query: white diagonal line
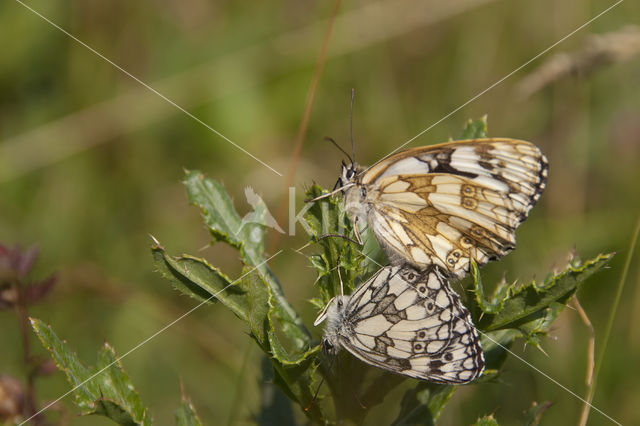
[149,338]
[498,82]
[552,379]
[148,87]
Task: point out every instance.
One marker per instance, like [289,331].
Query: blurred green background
[91,163]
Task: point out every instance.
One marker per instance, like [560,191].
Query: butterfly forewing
[411,323]
[449,203]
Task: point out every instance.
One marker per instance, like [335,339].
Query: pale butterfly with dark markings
[407,322]
[446,204]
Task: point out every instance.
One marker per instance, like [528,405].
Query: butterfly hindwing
[411,323]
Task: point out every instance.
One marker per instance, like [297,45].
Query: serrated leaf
[475,129]
[186,414]
[226,225]
[105,390]
[423,404]
[195,277]
[250,298]
[523,304]
[258,302]
[221,217]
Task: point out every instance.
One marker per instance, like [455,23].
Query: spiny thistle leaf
[195,277]
[517,306]
[251,299]
[105,389]
[247,235]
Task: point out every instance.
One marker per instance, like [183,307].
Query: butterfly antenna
[355,394]
[353,144]
[315,395]
[328,139]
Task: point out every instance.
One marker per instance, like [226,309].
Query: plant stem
[607,333]
[590,359]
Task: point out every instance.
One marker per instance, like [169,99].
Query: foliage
[256,298]
[297,365]
[105,389]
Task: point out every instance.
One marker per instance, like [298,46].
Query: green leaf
[251,299]
[186,414]
[423,404]
[222,219]
[197,278]
[326,217]
[530,307]
[105,389]
[225,225]
[475,129]
[486,421]
[258,314]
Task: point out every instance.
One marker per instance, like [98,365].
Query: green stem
[612,314]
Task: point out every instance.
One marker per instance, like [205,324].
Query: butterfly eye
[340,303]
[363,191]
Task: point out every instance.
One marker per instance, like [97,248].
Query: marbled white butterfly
[449,203]
[407,322]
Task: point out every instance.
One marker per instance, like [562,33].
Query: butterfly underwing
[449,203]
[407,322]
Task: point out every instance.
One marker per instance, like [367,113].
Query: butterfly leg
[340,277]
[356,230]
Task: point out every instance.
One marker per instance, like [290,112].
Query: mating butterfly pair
[433,209]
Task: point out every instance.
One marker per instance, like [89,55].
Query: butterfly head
[348,174]
[334,314]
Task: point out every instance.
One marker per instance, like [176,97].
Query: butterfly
[446,204]
[408,322]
